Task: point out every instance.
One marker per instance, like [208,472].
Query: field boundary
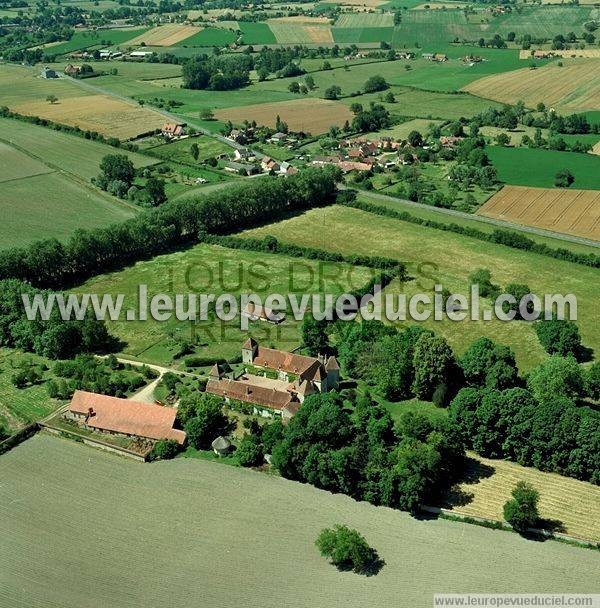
[19,437]
[502,525]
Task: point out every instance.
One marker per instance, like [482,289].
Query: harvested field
[165,35]
[574,212]
[311,115]
[571,88]
[367,3]
[107,115]
[402,130]
[574,503]
[587,53]
[318,33]
[220,544]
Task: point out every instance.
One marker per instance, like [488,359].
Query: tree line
[56,265]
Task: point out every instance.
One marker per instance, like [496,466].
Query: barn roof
[125,416]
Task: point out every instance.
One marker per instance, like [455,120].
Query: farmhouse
[172,130]
[297,377]
[449,141]
[239,168]
[72,70]
[123,417]
[268,164]
[256,312]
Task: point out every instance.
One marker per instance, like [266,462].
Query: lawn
[538,167]
[216,270]
[434,256]
[201,514]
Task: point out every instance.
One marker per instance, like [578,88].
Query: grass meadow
[96,38]
[216,270]
[434,256]
[19,407]
[538,167]
[211,521]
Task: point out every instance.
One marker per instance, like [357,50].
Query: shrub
[165,449]
[521,512]
[250,452]
[347,549]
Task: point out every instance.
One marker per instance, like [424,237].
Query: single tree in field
[310,82]
[194,151]
[52,99]
[206,114]
[521,511]
[333,92]
[563,178]
[348,550]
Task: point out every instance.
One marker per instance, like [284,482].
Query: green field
[211,36]
[256,33]
[61,151]
[179,151]
[202,515]
[19,407]
[434,256]
[212,269]
[96,38]
[537,167]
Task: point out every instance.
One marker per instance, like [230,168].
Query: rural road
[377,196]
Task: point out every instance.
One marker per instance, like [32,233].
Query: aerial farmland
[299,303]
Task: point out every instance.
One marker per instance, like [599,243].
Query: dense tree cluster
[541,424]
[50,263]
[357,451]
[87,373]
[201,416]
[347,549]
[54,338]
[217,73]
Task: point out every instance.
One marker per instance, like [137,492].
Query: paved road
[486,220]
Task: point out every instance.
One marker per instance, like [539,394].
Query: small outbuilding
[221,446]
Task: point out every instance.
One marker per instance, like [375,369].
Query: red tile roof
[249,393]
[286,362]
[125,416]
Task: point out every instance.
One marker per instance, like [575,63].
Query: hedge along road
[479,218]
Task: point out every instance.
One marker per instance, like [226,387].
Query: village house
[297,377]
[325,160]
[256,312]
[347,165]
[243,154]
[123,417]
[449,141]
[278,138]
[173,130]
[542,54]
[239,168]
[72,70]
[267,164]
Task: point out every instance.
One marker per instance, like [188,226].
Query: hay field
[435,256]
[107,115]
[574,87]
[165,35]
[402,130]
[576,504]
[569,211]
[295,33]
[365,20]
[193,533]
[310,115]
